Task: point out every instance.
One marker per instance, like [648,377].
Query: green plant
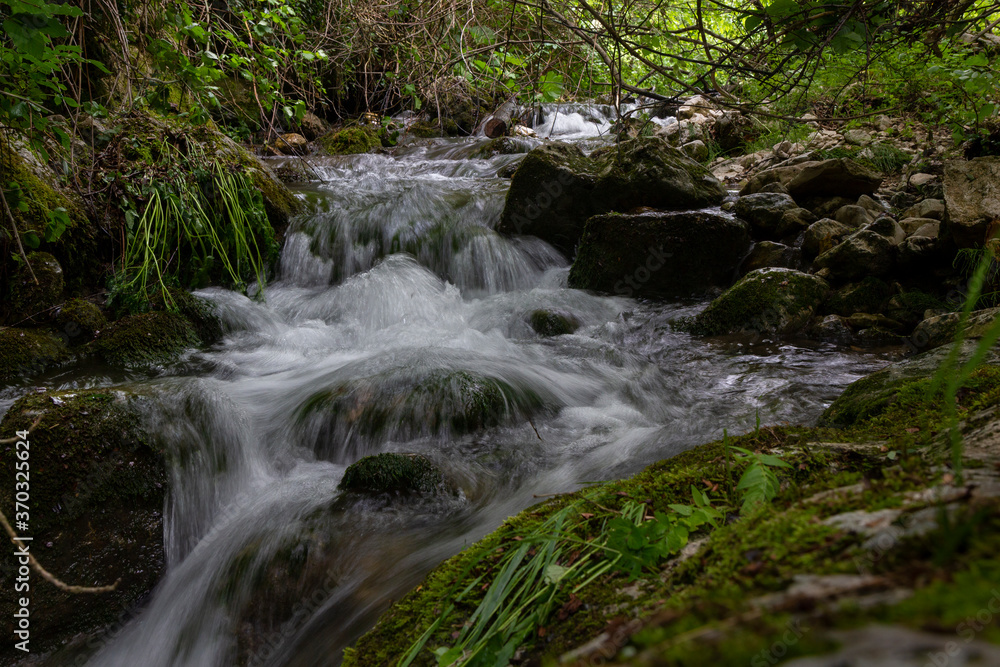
[759,482]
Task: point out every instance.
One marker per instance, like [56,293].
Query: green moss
[145,340]
[350,140]
[765,301]
[199,312]
[549,323]
[34,290]
[868,296]
[80,319]
[392,473]
[27,352]
[884,158]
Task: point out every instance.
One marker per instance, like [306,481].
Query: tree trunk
[500,122]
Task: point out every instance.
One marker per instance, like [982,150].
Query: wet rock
[972,193]
[874,321]
[80,320]
[557,188]
[764,212]
[659,254]
[404,404]
[553,323]
[149,339]
[832,329]
[31,299]
[97,488]
[928,208]
[767,254]
[823,235]
[861,254]
[28,352]
[295,171]
[394,474]
[291,144]
[867,296]
[942,329]
[853,216]
[843,177]
[767,301]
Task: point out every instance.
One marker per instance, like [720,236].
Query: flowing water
[393,280]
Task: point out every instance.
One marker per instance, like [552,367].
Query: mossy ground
[701,610]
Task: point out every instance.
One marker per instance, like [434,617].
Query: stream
[395,275]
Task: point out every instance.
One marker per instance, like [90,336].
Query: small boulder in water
[393,473]
[659,253]
[553,323]
[766,301]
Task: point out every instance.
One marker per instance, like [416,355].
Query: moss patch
[146,340]
[80,320]
[27,352]
[350,140]
[392,473]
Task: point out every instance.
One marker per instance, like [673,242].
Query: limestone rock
[972,193]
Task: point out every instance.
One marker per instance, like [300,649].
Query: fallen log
[500,122]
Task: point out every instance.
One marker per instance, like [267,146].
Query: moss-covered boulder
[767,301]
[864,253]
[97,494]
[393,473]
[27,352]
[80,320]
[557,188]
[867,296]
[942,329]
[403,404]
[659,254]
[357,139]
[149,339]
[36,287]
[200,313]
[553,323]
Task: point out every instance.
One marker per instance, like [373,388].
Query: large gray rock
[843,177]
[972,193]
[659,253]
[766,301]
[764,211]
[557,188]
[864,253]
[928,208]
[823,235]
[853,216]
[941,329]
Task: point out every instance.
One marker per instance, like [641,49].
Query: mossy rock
[426,129]
[149,339]
[350,140]
[76,250]
[402,405]
[393,473]
[553,323]
[200,312]
[868,296]
[766,301]
[27,352]
[97,497]
[80,320]
[872,395]
[557,188]
[31,299]
[658,253]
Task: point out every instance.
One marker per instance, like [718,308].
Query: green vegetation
[392,473]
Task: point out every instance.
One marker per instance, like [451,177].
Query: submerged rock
[766,301]
[659,254]
[552,323]
[402,404]
[557,188]
[97,496]
[393,473]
